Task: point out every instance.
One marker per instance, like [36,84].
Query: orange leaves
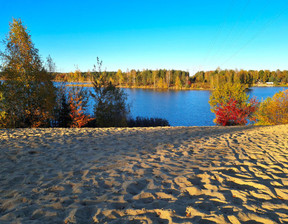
[36,117]
[77,115]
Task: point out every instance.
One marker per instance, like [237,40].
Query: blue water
[180,108]
[263,92]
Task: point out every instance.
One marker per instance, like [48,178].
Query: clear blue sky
[136,34]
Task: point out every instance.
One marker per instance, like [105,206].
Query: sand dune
[144,175]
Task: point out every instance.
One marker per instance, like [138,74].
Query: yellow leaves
[274,110]
[28,90]
[178,83]
[224,93]
[21,57]
[111,80]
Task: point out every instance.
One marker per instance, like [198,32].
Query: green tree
[110,108]
[64,119]
[61,117]
[29,94]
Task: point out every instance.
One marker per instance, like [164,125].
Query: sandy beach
[144,175]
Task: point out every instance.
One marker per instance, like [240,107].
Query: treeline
[162,78]
[177,79]
[219,77]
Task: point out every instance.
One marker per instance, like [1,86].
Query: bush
[226,92]
[78,118]
[273,110]
[70,108]
[147,122]
[231,105]
[231,114]
[110,108]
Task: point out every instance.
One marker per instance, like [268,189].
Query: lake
[180,108]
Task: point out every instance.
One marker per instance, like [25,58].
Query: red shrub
[232,113]
[77,115]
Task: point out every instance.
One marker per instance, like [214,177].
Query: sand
[144,175]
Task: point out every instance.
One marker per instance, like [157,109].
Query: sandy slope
[144,175]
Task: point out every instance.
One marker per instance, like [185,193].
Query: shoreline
[150,175]
[89,84]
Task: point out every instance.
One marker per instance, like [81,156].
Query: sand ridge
[144,175]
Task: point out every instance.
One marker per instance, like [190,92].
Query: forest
[248,78]
[177,79]
[161,79]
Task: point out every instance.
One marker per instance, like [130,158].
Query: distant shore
[89,84]
[151,175]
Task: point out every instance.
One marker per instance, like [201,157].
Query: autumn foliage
[78,118]
[232,106]
[28,94]
[274,110]
[232,113]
